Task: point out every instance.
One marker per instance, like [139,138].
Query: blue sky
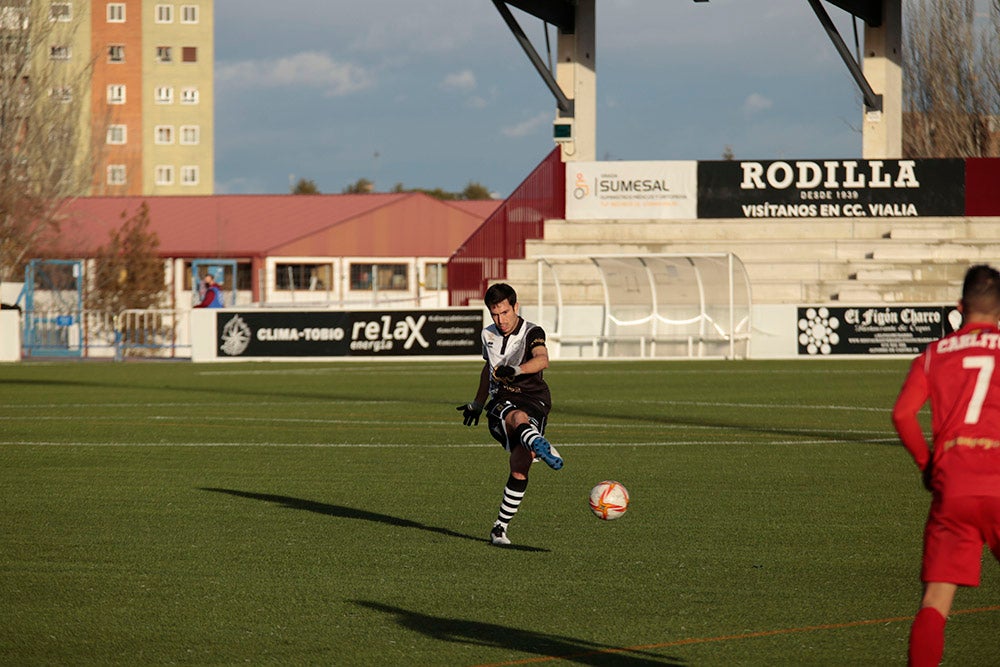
[437,93]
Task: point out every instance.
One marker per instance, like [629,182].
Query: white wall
[10,335]
[774,334]
[203,335]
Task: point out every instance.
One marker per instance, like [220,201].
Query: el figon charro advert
[875,330]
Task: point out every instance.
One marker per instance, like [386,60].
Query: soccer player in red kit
[960,374]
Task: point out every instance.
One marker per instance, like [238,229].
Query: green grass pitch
[337,514]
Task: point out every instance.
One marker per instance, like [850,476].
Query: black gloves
[505,372]
[470,413]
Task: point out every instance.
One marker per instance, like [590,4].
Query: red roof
[375,225]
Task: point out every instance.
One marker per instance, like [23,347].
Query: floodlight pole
[573,84]
[873,102]
[882,131]
[879,76]
[563,103]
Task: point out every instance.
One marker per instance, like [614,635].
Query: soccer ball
[608,500]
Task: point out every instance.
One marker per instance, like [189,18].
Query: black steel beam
[560,13]
[869,11]
[872,101]
[564,104]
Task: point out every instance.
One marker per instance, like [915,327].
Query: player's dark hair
[498,294]
[981,289]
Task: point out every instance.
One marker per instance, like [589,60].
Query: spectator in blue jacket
[213,294]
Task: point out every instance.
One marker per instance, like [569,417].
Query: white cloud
[526,127]
[311,69]
[756,102]
[464,80]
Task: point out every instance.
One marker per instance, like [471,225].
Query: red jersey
[960,374]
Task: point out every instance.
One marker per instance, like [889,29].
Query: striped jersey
[513,350]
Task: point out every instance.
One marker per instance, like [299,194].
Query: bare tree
[46,149]
[951,78]
[128,273]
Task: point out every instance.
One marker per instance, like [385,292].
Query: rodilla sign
[831,188]
[280,334]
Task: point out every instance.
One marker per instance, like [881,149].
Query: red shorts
[957,528]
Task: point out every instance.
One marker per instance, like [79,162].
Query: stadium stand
[875,260]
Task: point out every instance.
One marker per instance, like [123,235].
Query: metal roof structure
[572,79]
[372,225]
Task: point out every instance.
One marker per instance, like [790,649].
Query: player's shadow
[733,423]
[343,512]
[537,642]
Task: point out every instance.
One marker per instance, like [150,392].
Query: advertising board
[631,190]
[831,188]
[875,330]
[389,333]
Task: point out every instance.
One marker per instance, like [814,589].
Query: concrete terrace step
[930,233]
[883,250]
[888,293]
[966,251]
[877,260]
[925,229]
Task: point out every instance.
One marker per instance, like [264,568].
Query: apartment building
[150,114]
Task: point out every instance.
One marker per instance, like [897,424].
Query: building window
[164,13]
[116,174]
[59,53]
[116,53]
[189,54]
[116,93]
[117,134]
[14,18]
[164,54]
[116,12]
[164,175]
[189,175]
[312,277]
[388,276]
[189,96]
[63,94]
[164,95]
[393,276]
[164,134]
[436,276]
[190,135]
[244,276]
[189,13]
[13,45]
[361,276]
[61,11]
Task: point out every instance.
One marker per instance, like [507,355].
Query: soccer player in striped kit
[518,398]
[960,374]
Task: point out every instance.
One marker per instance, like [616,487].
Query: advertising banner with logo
[831,188]
[390,333]
[875,330]
[631,190]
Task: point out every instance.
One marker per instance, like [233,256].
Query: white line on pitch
[363,445]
